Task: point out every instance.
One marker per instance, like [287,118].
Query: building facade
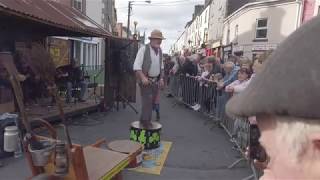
[317,7]
[206,27]
[109,15]
[195,34]
[260,26]
[90,52]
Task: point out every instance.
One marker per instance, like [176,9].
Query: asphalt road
[197,153]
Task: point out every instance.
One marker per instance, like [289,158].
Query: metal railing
[96,73]
[203,96]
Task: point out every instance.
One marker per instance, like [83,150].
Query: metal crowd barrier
[203,96]
[192,92]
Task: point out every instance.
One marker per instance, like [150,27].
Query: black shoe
[158,116]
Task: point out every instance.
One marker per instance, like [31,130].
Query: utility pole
[129,14]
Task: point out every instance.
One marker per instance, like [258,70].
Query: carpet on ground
[153,160]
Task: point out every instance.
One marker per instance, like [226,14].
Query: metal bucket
[40,157]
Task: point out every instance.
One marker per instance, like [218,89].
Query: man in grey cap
[149,71]
[285,98]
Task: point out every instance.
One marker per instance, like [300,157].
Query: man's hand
[230,89]
[21,77]
[220,85]
[145,81]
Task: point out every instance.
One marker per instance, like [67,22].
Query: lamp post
[135,27]
[135,35]
[130,3]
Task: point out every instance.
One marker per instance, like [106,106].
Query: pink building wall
[308,10]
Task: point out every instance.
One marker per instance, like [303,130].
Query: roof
[234,5]
[256,3]
[52,13]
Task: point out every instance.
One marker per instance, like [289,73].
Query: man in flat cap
[285,98]
[149,71]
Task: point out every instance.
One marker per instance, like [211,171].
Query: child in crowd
[236,87]
[239,85]
[205,76]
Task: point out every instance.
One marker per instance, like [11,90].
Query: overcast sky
[170,16]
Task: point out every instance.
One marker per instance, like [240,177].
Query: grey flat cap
[289,83]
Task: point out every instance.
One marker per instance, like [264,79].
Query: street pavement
[198,152]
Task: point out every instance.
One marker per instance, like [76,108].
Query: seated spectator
[31,80]
[75,79]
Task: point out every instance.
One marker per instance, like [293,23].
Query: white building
[317,7]
[94,10]
[260,26]
[196,31]
[216,18]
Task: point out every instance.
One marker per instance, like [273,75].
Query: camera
[256,150]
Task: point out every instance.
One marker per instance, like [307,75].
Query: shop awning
[53,14]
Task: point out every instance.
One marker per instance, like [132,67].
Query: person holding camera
[284,97]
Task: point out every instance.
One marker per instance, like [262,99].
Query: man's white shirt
[154,68]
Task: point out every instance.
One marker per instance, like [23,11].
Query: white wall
[197,29]
[203,24]
[217,15]
[94,11]
[316,8]
[282,21]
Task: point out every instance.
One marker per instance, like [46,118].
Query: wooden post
[108,94]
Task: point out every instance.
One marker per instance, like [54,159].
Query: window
[77,4]
[262,28]
[236,32]
[84,50]
[228,36]
[205,19]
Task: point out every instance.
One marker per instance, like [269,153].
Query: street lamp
[135,27]
[130,3]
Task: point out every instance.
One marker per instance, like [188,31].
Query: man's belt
[153,79]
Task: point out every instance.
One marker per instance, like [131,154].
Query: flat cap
[289,83]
